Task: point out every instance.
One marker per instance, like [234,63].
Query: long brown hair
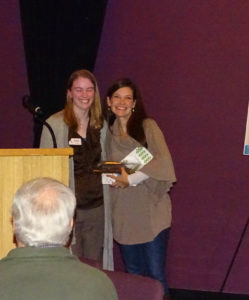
[135,123]
[96,118]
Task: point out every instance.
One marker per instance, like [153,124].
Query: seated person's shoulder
[95,278]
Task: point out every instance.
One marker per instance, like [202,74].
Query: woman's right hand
[120,181]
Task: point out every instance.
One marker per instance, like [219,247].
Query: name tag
[75,141]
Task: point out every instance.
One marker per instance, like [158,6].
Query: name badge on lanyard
[75,141]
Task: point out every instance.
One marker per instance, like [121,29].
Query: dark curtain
[60,36]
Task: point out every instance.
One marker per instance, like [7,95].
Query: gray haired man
[41,267]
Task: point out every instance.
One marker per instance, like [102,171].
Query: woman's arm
[125,180]
[161,166]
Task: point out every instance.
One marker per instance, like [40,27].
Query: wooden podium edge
[37,152]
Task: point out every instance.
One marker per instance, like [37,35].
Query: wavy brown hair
[135,123]
[95,114]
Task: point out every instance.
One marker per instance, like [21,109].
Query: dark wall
[59,37]
[191,60]
[15,121]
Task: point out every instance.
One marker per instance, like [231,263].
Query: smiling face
[122,102]
[82,93]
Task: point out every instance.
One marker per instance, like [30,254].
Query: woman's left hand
[120,181]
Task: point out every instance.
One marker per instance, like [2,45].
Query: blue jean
[148,259]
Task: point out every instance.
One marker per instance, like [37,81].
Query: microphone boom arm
[50,130]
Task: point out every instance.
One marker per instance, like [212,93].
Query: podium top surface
[37,152]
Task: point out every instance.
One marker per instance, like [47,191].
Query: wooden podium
[18,166]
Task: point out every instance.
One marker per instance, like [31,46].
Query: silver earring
[133,109]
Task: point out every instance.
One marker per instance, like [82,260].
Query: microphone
[38,115]
[34,109]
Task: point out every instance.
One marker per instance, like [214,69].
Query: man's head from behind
[42,213]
